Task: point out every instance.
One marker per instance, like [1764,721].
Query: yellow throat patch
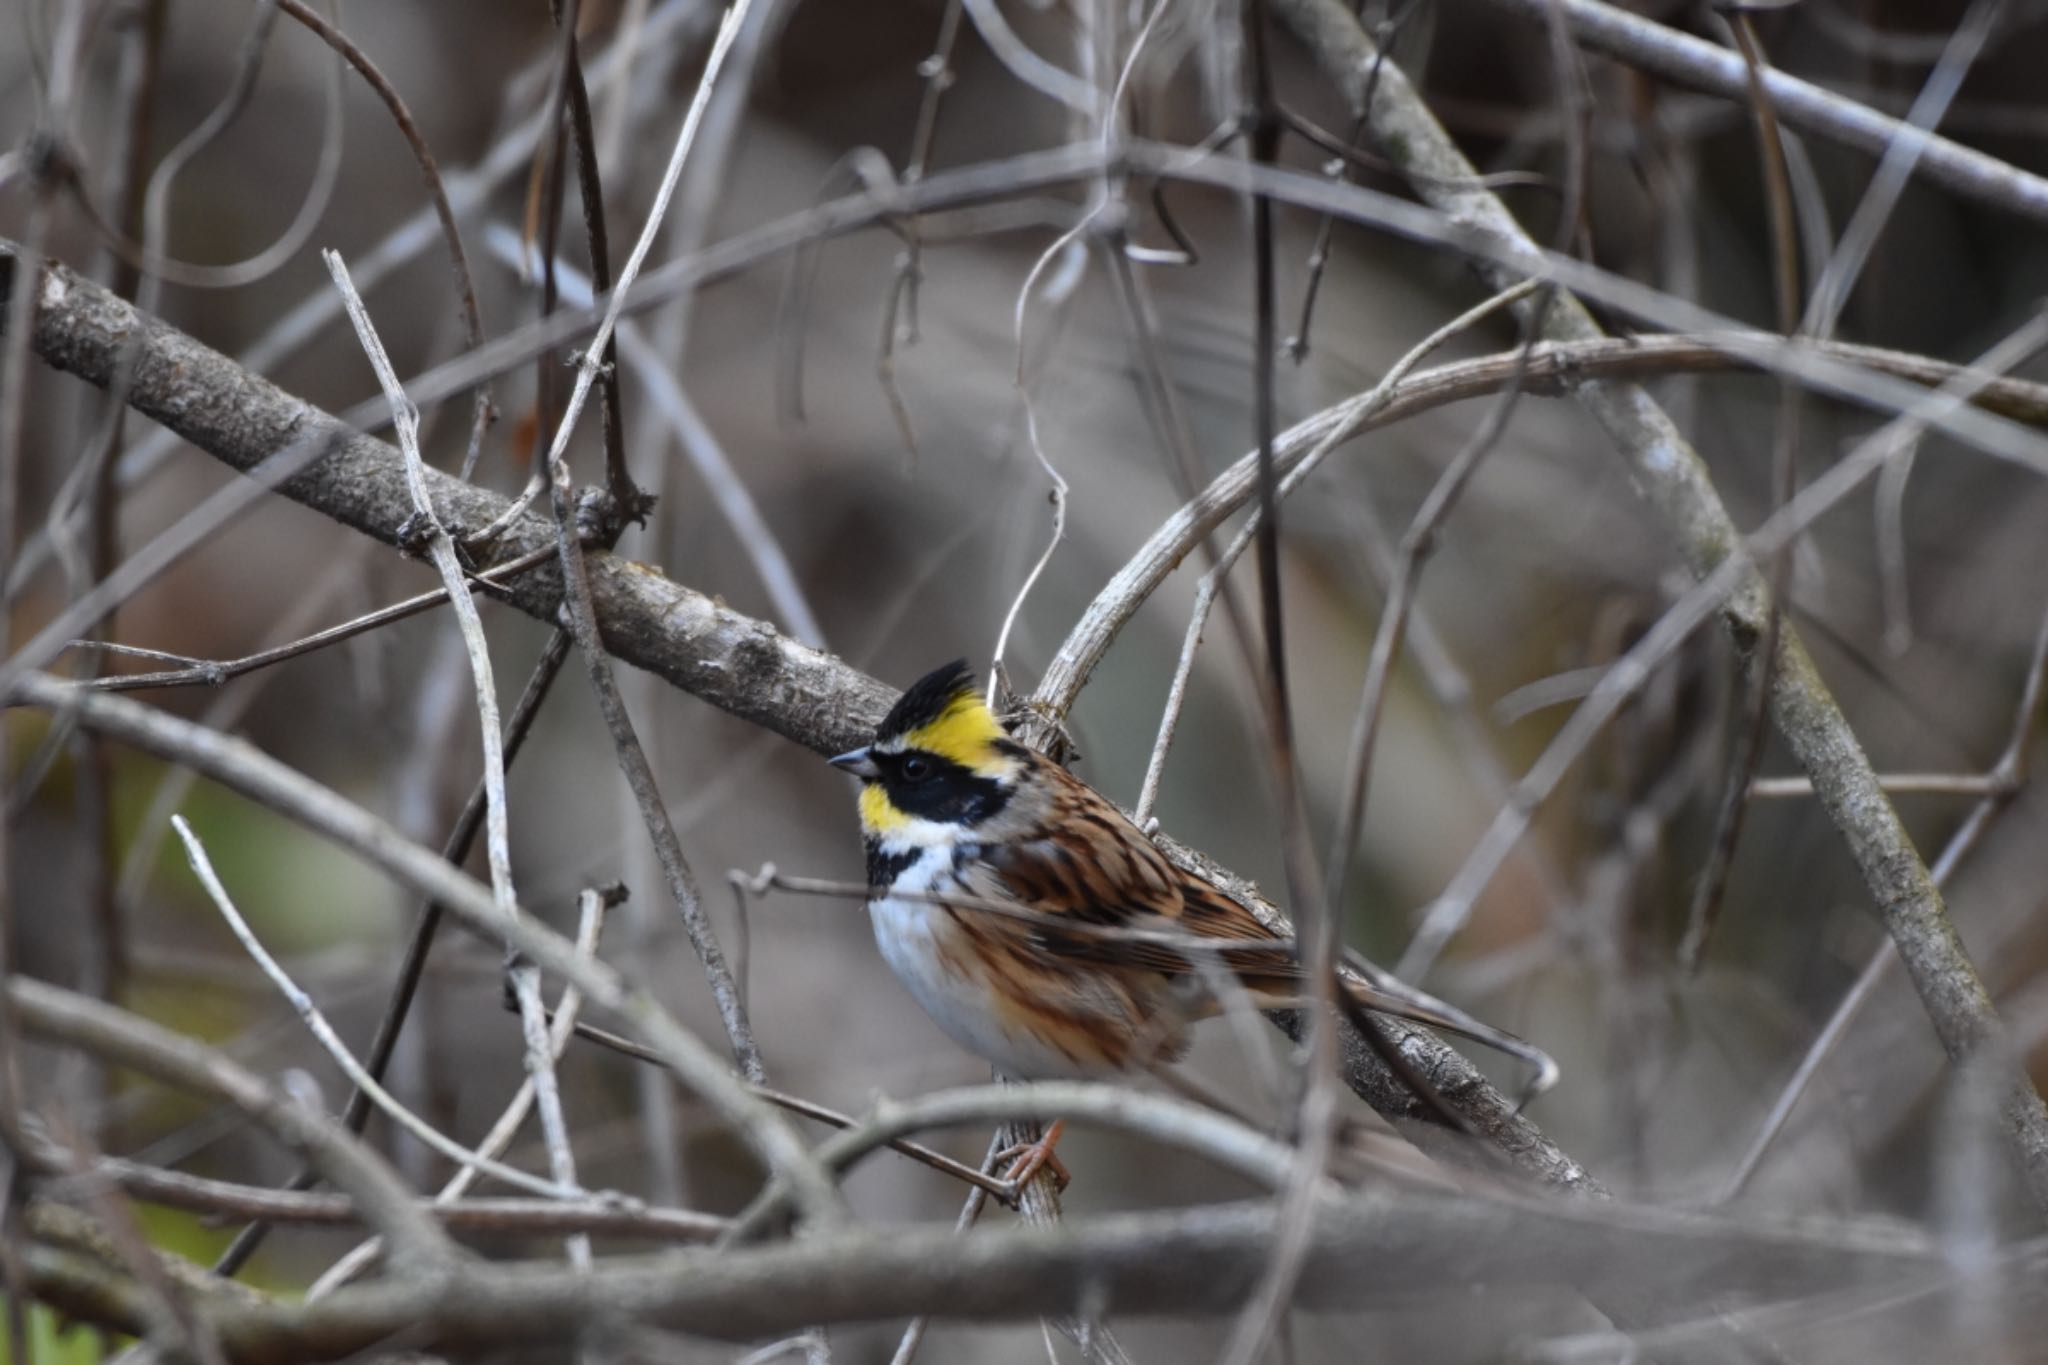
[878,814]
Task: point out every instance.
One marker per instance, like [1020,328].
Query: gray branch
[1694,64]
[1366,1251]
[243,768]
[113,1034]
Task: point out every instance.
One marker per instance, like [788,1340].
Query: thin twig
[1345,151]
[148,256]
[323,1033]
[1060,289]
[589,366]
[729,491]
[2004,783]
[543,220]
[384,1043]
[119,1036]
[246,769]
[497,829]
[1418,542]
[589,926]
[579,609]
[1052,81]
[1172,1122]
[216,672]
[1747,749]
[629,504]
[900,312]
[1694,64]
[1677,482]
[1897,784]
[509,1216]
[430,172]
[1913,141]
[811,1109]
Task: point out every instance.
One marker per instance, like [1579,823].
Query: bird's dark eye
[915,769]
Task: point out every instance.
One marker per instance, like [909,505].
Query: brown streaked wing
[1125,883]
[1209,912]
[1090,864]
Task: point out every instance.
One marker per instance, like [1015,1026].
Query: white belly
[910,935]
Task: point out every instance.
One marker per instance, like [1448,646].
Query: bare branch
[1364,1251]
[540,1062]
[507,1216]
[590,923]
[1675,480]
[118,1036]
[1696,65]
[243,768]
[324,1034]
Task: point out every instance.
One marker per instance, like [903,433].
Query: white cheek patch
[910,834]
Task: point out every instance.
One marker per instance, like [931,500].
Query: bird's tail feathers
[1387,996]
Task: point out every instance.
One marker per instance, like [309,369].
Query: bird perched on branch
[1039,927]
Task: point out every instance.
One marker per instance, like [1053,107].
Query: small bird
[1036,925]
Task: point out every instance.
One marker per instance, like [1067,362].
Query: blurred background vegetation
[909,552]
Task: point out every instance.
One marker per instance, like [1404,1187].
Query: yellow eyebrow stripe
[966,732]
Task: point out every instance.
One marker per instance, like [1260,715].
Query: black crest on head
[927,699]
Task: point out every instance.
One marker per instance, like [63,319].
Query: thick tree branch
[732,660]
[1366,1251]
[725,657]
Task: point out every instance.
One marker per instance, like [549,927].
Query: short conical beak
[858,763]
